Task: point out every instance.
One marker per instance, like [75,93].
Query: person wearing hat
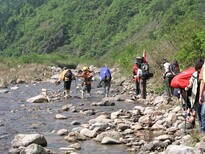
[87,79]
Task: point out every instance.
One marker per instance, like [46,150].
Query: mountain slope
[96,28]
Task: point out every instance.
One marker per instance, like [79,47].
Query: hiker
[202,97]
[86,75]
[105,79]
[136,74]
[174,68]
[66,76]
[194,86]
[167,76]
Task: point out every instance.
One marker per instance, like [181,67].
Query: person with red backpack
[194,86]
[136,74]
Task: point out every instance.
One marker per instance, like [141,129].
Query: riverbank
[130,123]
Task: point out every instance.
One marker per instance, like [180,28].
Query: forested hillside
[115,30]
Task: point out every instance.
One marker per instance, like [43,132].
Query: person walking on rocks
[194,86]
[105,79]
[86,75]
[202,97]
[136,75]
[167,76]
[66,76]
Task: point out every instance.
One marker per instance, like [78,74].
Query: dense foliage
[109,31]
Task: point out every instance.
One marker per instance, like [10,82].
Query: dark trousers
[137,88]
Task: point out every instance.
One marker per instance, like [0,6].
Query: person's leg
[66,89]
[137,88]
[197,108]
[83,91]
[203,116]
[168,88]
[104,87]
[108,87]
[88,88]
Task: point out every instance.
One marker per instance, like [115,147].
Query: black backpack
[174,68]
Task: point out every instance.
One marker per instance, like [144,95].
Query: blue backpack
[105,74]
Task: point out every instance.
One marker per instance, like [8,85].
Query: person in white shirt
[167,76]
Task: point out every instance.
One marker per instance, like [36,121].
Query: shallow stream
[19,117]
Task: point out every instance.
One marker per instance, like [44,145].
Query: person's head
[85,68]
[198,64]
[164,61]
[138,60]
[175,62]
[80,71]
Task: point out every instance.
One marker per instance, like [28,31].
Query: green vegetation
[101,31]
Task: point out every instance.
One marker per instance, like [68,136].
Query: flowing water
[19,117]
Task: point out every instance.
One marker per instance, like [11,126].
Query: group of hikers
[187,85]
[87,75]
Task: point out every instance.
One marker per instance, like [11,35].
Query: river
[19,117]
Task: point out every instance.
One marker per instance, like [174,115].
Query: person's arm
[190,83]
[201,92]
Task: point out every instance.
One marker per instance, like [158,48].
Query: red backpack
[181,80]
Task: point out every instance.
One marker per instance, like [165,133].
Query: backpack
[174,68]
[181,80]
[145,71]
[105,74]
[66,75]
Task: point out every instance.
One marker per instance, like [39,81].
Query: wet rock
[181,149]
[109,140]
[14,88]
[75,123]
[14,151]
[75,136]
[89,133]
[145,120]
[60,116]
[62,132]
[20,81]
[75,146]
[38,99]
[4,90]
[34,149]
[103,103]
[113,134]
[123,127]
[27,139]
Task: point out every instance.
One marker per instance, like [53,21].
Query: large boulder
[27,139]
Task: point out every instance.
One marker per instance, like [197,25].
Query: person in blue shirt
[105,80]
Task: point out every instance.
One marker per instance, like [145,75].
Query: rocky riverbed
[45,122]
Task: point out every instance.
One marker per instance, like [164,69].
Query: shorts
[87,87]
[67,85]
